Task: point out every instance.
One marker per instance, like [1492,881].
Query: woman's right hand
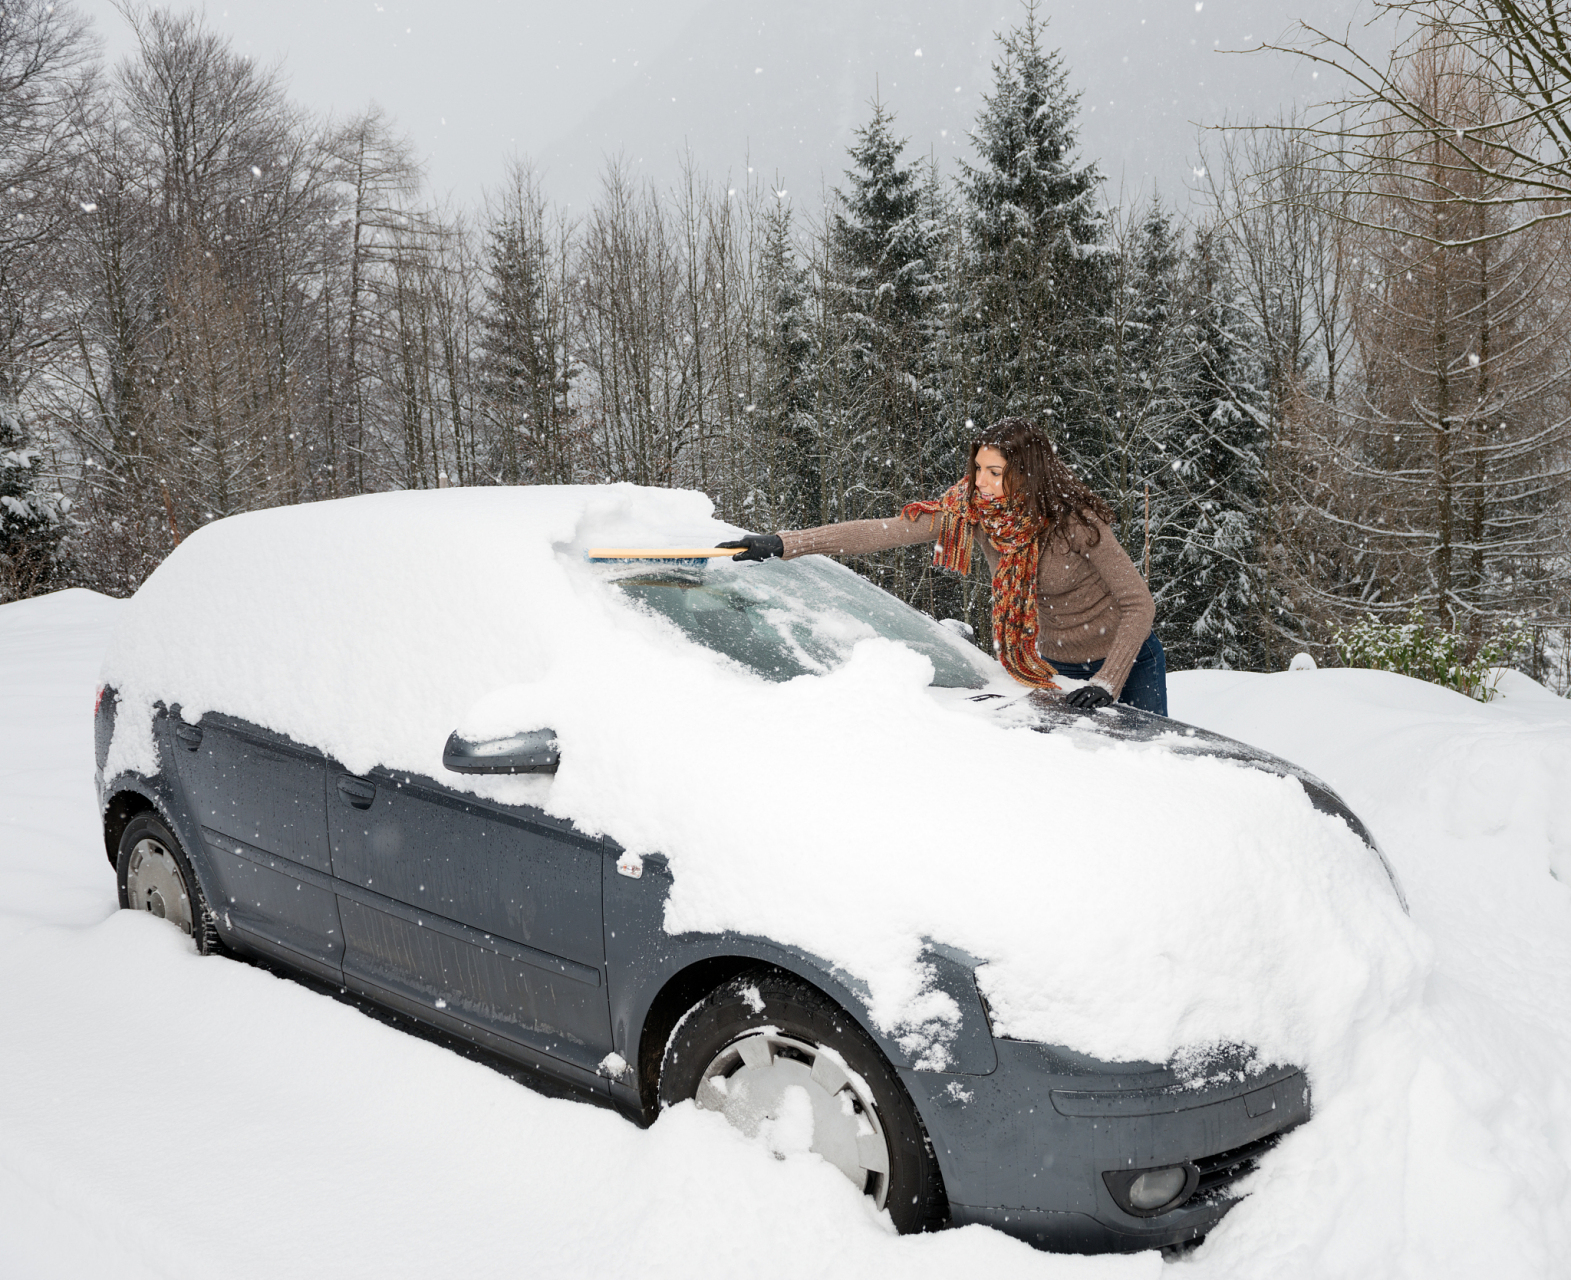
[757,546]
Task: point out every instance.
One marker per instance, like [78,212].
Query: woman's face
[990,469]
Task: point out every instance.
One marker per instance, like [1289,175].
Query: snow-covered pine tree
[948,428]
[882,241]
[1212,599]
[1179,403]
[785,425]
[882,246]
[1037,273]
[32,516]
[1133,373]
[526,370]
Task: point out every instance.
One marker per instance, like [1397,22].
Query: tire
[155,875]
[738,1050]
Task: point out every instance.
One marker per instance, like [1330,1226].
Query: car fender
[654,977]
[168,800]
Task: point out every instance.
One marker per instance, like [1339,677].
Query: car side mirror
[533,752]
[962,629]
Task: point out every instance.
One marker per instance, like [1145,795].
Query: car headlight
[1148,1192]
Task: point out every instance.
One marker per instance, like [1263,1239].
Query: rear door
[261,801]
[485,914]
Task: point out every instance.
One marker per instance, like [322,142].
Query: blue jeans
[1146,687]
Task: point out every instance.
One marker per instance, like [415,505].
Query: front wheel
[155,875]
[783,1062]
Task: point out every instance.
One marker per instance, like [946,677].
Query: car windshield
[800,617]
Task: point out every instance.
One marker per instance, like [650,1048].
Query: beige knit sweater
[1091,600]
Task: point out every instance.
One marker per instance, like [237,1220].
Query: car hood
[1048,712]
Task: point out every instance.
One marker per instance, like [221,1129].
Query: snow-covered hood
[1130,900]
[1121,723]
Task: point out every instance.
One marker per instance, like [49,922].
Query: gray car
[520,934]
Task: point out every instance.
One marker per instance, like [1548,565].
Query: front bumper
[1024,1148]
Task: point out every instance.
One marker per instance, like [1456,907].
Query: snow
[1126,930]
[1462,1097]
[168,1115]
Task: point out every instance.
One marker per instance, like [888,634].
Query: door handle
[189,735]
[358,793]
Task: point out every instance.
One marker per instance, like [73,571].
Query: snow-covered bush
[1415,648]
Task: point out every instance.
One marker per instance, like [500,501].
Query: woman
[1067,600]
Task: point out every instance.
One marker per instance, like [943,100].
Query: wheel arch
[682,990]
[714,960]
[123,805]
[130,794]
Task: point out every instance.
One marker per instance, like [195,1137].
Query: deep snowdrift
[1450,1152]
[1130,903]
[167,1115]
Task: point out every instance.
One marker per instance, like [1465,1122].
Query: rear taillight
[98,700]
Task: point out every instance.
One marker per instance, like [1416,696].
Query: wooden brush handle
[659,553]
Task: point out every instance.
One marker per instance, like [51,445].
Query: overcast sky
[775,85]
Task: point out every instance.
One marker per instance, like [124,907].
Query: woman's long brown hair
[1035,476]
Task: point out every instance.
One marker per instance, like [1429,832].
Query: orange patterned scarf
[1017,538]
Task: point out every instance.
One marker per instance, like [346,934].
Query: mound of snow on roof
[1129,903]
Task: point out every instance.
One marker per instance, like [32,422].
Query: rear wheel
[155,875]
[784,1063]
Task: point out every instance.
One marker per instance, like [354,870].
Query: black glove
[757,546]
[1091,697]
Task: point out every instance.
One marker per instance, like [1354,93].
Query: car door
[261,801]
[489,914]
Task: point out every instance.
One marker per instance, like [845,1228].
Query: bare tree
[47,81]
[423,377]
[204,119]
[116,287]
[217,432]
[200,270]
[1287,219]
[1517,53]
[644,378]
[377,167]
[1465,337]
[279,250]
[1438,456]
[175,174]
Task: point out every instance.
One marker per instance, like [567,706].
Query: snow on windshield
[1128,902]
[783,619]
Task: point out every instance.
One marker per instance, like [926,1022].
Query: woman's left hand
[1091,697]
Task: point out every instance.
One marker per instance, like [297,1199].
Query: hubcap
[153,883]
[796,1096]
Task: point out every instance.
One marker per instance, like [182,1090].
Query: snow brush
[658,553]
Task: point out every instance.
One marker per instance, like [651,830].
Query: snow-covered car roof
[1127,901]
